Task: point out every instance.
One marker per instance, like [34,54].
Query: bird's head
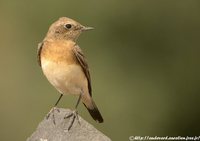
[66,28]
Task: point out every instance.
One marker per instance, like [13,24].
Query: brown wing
[82,61]
[39,49]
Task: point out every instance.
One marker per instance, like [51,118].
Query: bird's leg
[53,109]
[74,114]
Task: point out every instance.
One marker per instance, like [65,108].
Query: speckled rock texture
[48,131]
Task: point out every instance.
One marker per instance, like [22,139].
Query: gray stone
[48,131]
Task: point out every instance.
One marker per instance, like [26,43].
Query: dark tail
[94,112]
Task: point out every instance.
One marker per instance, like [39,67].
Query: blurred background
[143,56]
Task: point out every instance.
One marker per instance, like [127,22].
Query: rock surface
[48,131]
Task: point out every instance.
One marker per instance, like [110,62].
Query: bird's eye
[68,26]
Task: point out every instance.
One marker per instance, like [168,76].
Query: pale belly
[67,79]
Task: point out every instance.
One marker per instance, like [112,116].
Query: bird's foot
[74,116]
[52,112]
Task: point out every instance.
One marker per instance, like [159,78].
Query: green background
[144,57]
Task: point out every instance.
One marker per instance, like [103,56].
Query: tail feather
[94,112]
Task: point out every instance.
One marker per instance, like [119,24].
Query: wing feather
[82,61]
[39,49]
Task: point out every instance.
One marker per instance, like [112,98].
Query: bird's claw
[52,112]
[74,116]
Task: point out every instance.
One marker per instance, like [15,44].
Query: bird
[65,66]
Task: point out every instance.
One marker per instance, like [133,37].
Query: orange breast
[59,52]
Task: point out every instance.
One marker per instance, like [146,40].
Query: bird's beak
[86,28]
